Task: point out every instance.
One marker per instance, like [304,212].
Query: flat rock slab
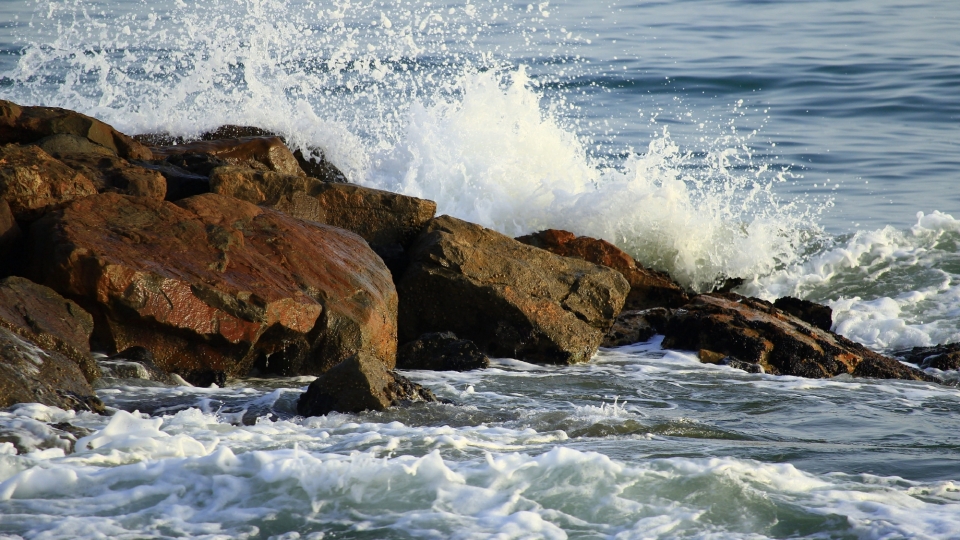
[511,299]
[360,383]
[20,124]
[380,217]
[33,182]
[648,288]
[214,284]
[265,153]
[754,331]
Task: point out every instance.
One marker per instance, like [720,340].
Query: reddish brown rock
[216,284]
[263,153]
[511,299]
[648,288]
[361,383]
[754,331]
[44,348]
[30,124]
[380,217]
[33,183]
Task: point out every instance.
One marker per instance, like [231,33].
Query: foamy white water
[708,139]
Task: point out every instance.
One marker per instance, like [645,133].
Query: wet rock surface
[44,350]
[635,326]
[33,182]
[43,317]
[441,351]
[943,357]
[112,174]
[648,288]
[812,313]
[213,284]
[21,124]
[360,383]
[755,332]
[511,299]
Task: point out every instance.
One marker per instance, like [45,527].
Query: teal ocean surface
[810,147]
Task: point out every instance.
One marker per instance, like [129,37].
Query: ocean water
[810,147]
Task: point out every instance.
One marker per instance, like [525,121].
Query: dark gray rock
[441,351]
[812,313]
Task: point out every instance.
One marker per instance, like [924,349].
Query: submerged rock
[360,383]
[213,284]
[648,288]
[19,124]
[263,153]
[33,182]
[44,350]
[441,351]
[754,331]
[511,299]
[812,313]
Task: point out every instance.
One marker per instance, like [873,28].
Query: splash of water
[412,99]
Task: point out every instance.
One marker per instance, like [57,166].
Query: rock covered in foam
[30,124]
[44,348]
[33,182]
[441,351]
[214,284]
[511,299]
[360,383]
[648,288]
[754,331]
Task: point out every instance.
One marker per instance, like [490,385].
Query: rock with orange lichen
[213,283]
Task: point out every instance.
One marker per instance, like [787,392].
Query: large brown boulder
[214,284]
[511,299]
[44,348]
[263,153]
[30,124]
[754,331]
[32,182]
[360,383]
[380,217]
[648,288]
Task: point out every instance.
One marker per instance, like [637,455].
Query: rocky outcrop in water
[648,288]
[943,357]
[511,299]
[635,326]
[754,331]
[44,348]
[19,124]
[216,284]
[360,383]
[441,351]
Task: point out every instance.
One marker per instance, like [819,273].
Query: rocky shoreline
[232,256]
